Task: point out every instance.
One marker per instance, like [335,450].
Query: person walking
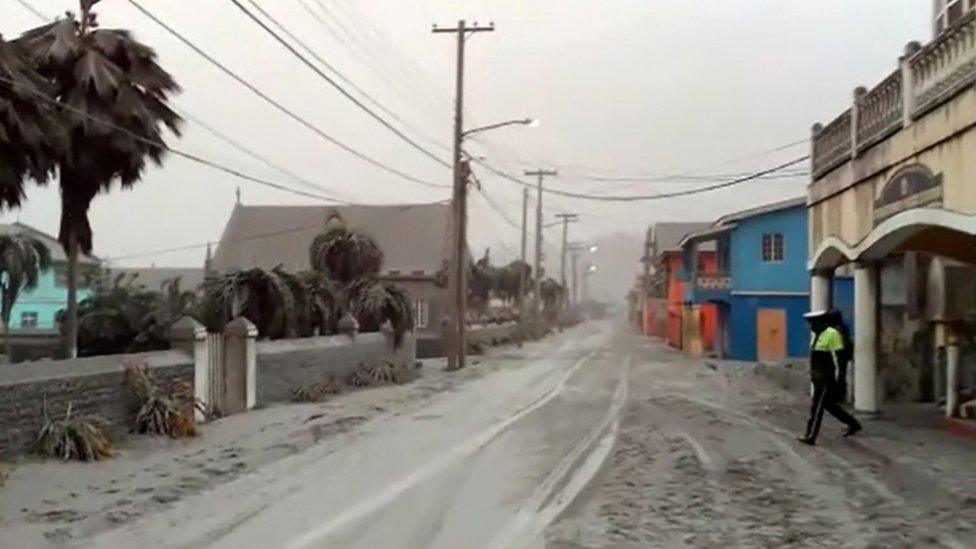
[835,319]
[826,353]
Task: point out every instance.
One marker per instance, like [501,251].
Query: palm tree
[483,281]
[345,254]
[266,298]
[553,294]
[23,257]
[508,280]
[353,260]
[30,138]
[112,97]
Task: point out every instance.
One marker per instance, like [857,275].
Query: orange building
[664,310]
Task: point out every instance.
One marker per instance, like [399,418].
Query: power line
[375,62]
[641,176]
[326,77]
[32,9]
[255,155]
[161,144]
[637,198]
[254,89]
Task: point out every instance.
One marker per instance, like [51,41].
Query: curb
[958,427]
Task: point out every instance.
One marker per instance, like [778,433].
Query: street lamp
[458,281]
[531,122]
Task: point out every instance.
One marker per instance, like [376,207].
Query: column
[952,380]
[866,338]
[821,289]
[189,336]
[240,366]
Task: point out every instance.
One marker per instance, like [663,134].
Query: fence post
[189,336]
[240,365]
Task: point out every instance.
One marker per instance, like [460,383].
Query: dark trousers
[824,399]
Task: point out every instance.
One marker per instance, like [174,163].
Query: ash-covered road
[593,438]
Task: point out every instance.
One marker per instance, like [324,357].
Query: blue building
[36,310]
[761,284]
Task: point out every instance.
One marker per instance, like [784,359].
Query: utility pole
[456,337]
[567,218]
[525,239]
[537,298]
[575,256]
[586,282]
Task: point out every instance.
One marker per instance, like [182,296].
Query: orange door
[771,334]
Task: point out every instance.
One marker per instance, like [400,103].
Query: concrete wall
[290,364]
[91,385]
[487,335]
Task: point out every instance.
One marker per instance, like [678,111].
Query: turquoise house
[36,310]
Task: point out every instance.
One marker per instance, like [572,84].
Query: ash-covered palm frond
[374,302]
[104,80]
[31,136]
[263,297]
[322,301]
[81,438]
[483,282]
[345,254]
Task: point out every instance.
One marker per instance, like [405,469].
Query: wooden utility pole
[525,245]
[455,330]
[537,298]
[574,254]
[567,218]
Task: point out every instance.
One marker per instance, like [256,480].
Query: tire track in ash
[893,521]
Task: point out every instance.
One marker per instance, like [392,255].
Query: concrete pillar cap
[186,329]
[241,327]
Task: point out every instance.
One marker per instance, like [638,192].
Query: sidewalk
[910,444]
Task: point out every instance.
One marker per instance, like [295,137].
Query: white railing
[880,111]
[832,144]
[945,66]
[714,282]
[928,77]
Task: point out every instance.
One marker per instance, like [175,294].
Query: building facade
[760,286]
[663,309]
[414,239]
[37,310]
[893,195]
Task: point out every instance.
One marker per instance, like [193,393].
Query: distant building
[36,309]
[761,284]
[663,288]
[153,278]
[415,240]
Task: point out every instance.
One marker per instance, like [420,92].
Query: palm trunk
[8,346]
[71,328]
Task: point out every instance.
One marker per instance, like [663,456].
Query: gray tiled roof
[413,237]
[667,237]
[52,243]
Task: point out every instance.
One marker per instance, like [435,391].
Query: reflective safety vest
[824,350]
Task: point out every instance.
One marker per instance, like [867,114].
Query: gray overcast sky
[621,86]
